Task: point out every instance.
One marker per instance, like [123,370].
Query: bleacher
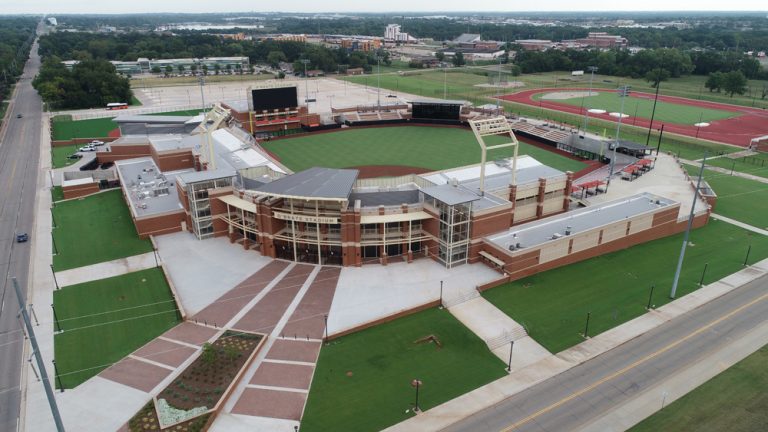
[553,134]
[368,117]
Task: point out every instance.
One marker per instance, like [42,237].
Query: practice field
[107,319]
[615,288]
[94,229]
[734,401]
[430,148]
[64,128]
[640,106]
[756,164]
[363,381]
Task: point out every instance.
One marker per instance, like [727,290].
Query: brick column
[568,186]
[540,198]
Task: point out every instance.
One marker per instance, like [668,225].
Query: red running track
[740,130]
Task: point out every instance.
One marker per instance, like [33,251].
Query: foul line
[631,366]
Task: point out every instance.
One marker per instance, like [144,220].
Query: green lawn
[641,107]
[738,198]
[734,401]
[419,146]
[363,381]
[57,193]
[456,84]
[59,155]
[95,229]
[65,129]
[755,164]
[192,112]
[553,305]
[107,319]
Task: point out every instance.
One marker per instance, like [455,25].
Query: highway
[19,164]
[581,394]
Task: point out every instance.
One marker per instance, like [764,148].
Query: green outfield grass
[64,128]
[756,164]
[737,198]
[362,381]
[59,155]
[733,401]
[418,146]
[642,107]
[107,319]
[615,288]
[94,229]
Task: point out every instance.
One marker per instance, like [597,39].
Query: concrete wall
[166,223]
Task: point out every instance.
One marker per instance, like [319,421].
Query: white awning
[239,203]
[396,217]
[492,258]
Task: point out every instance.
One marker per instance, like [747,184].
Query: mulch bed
[373,171]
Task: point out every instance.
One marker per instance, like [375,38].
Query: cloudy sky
[137,6]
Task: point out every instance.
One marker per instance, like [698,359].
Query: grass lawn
[363,381]
[642,107]
[59,155]
[65,129]
[419,146]
[737,198]
[95,229]
[107,319]
[193,112]
[57,193]
[456,84]
[755,164]
[734,401]
[553,305]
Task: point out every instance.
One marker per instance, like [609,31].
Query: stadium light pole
[673,293]
[306,82]
[378,82]
[655,99]
[623,92]
[592,69]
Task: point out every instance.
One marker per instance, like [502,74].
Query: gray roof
[154,119]
[149,191]
[587,144]
[198,176]
[632,145]
[524,176]
[451,195]
[585,219]
[314,183]
[372,199]
[467,38]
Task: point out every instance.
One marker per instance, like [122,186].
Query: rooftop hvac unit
[556,236]
[568,230]
[455,182]
[143,206]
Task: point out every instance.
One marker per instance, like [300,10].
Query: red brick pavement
[283,375]
[271,403]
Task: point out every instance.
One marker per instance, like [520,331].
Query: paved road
[19,161]
[587,391]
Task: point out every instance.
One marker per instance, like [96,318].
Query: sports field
[639,106]
[756,164]
[431,148]
[363,381]
[105,320]
[64,128]
[737,198]
[615,288]
[734,401]
[94,229]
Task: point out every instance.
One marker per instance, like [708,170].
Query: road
[19,164]
[583,393]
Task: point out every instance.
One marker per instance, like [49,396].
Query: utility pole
[445,83]
[655,99]
[306,82]
[688,230]
[378,82]
[201,79]
[39,358]
[592,69]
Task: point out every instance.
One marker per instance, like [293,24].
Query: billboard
[268,99]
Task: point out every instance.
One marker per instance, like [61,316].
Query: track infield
[730,124]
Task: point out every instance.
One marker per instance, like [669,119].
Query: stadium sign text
[304,218]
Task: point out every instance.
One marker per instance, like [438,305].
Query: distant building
[52,21]
[536,44]
[467,40]
[145,65]
[602,40]
[393,33]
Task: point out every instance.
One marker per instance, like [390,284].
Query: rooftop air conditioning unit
[511,248]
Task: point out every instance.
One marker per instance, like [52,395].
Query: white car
[88,148]
[96,143]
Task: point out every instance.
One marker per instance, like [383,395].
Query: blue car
[22,237]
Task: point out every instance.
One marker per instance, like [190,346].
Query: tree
[440,55]
[205,69]
[216,68]
[275,57]
[193,68]
[656,76]
[156,70]
[714,82]
[181,69]
[458,59]
[734,82]
[168,70]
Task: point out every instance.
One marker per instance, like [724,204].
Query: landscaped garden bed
[201,387]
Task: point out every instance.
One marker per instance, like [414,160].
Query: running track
[740,130]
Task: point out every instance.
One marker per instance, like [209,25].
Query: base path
[739,130]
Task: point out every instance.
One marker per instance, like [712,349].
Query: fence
[506,336]
[461,298]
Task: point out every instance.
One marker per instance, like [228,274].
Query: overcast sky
[141,6]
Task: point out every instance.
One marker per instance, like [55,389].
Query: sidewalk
[740,224]
[727,171]
[484,397]
[107,269]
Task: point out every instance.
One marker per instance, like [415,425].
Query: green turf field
[94,229]
[59,155]
[553,305]
[436,84]
[756,164]
[57,193]
[363,381]
[418,146]
[642,107]
[107,319]
[64,128]
[737,198]
[734,401]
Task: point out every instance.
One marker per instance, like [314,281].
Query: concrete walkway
[740,224]
[457,409]
[498,331]
[107,269]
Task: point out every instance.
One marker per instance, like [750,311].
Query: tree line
[16,37]
[90,84]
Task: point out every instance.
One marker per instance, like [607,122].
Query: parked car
[96,143]
[75,156]
[19,115]
[88,148]
[22,237]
